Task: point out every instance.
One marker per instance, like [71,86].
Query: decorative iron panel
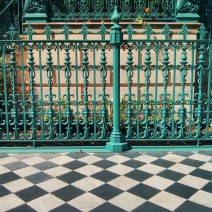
[103,9]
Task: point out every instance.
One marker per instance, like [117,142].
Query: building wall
[77,87]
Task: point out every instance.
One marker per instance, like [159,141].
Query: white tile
[7,160]
[184,169]
[150,168]
[86,202]
[118,158]
[193,181]
[88,183]
[10,201]
[90,159]
[26,171]
[145,158]
[57,171]
[33,160]
[158,182]
[61,160]
[167,200]
[127,201]
[3,170]
[89,170]
[52,185]
[207,167]
[123,183]
[200,157]
[202,198]
[120,169]
[174,158]
[18,185]
[45,203]
[21,156]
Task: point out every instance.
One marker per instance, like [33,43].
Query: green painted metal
[101,149]
[116,143]
[103,9]
[167,99]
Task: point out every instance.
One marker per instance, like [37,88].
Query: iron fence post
[116,143]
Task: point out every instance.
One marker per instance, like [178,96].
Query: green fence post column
[116,143]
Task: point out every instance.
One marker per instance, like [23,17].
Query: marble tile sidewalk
[153,181]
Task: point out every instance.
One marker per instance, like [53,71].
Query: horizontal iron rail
[106,41]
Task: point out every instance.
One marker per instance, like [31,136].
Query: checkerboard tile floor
[180,181]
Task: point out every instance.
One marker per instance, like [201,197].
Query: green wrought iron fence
[56,91]
[103,9]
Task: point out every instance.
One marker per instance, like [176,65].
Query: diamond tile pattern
[155,181]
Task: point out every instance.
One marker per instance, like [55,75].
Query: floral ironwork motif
[32,6]
[103,9]
[185,6]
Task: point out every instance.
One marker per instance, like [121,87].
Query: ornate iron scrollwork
[31,6]
[185,6]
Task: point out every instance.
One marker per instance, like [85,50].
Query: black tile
[191,162]
[130,154]
[31,193]
[104,155]
[3,191]
[8,177]
[209,153]
[138,175]
[71,177]
[149,207]
[191,206]
[107,207]
[171,175]
[39,177]
[67,193]
[4,155]
[22,208]
[15,165]
[45,165]
[77,155]
[181,190]
[184,154]
[133,163]
[65,208]
[105,176]
[163,163]
[157,154]
[105,164]
[207,187]
[75,165]
[202,174]
[106,192]
[144,191]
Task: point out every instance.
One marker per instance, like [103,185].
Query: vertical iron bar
[5,92]
[59,90]
[23,91]
[138,102]
[174,126]
[156,90]
[191,91]
[77,90]
[94,72]
[41,90]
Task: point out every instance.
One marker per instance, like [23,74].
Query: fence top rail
[125,41]
[146,30]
